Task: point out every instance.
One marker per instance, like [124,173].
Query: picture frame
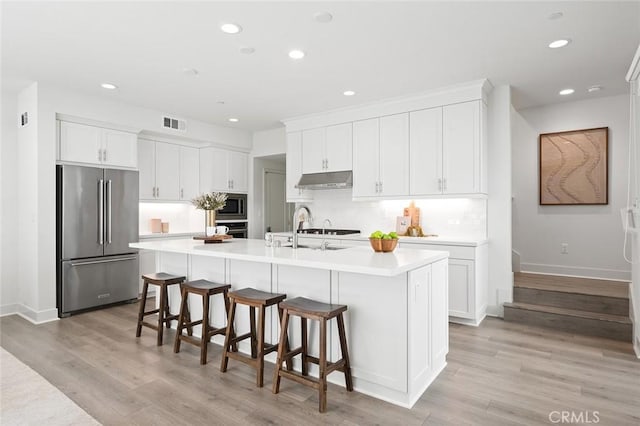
[573,167]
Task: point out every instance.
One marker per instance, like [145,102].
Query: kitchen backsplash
[450,217]
[182,218]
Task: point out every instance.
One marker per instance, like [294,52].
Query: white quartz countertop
[440,240]
[362,260]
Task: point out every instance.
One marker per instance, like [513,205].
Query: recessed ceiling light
[565,92]
[594,89]
[109,86]
[190,71]
[296,54]
[230,28]
[233,120]
[220,102]
[555,15]
[323,17]
[559,43]
[348,93]
[247,50]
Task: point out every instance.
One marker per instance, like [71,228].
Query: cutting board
[213,239]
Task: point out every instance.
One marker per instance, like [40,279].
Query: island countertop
[362,260]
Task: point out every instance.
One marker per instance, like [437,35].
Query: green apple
[386,237]
[393,234]
[376,234]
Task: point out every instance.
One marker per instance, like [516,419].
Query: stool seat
[256,297]
[301,306]
[205,289]
[160,278]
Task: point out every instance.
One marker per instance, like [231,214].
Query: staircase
[575,305]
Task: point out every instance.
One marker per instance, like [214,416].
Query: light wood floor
[497,374]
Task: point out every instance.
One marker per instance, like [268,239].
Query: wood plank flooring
[595,287]
[498,374]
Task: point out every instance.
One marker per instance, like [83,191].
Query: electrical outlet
[564,248]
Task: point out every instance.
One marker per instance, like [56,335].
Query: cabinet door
[313,152]
[461,288]
[425,146]
[213,170]
[294,168]
[338,147]
[366,150]
[461,147]
[394,155]
[120,148]
[238,171]
[189,172]
[147,169]
[167,171]
[80,143]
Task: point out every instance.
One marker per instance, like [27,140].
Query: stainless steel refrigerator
[97,218]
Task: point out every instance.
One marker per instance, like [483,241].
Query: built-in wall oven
[238,229]
[235,209]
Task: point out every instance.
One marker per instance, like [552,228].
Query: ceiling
[377,49]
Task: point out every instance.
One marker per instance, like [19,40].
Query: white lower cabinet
[468,280]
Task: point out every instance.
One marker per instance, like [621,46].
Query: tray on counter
[213,239]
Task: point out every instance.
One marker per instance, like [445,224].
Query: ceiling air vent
[174,124]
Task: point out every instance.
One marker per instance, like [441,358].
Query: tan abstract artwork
[573,167]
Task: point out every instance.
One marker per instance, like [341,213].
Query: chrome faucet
[296,224]
[323,225]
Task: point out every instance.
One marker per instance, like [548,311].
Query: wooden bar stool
[310,309]
[206,289]
[162,280]
[254,299]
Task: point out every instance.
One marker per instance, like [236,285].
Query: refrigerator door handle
[94,262]
[109,215]
[101,211]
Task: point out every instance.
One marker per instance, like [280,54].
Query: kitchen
[475,218]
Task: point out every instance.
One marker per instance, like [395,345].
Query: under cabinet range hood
[328,180]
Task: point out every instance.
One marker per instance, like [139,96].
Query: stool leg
[187,317]
[204,340]
[260,356]
[322,377]
[287,348]
[305,363]
[252,324]
[143,303]
[227,336]
[284,325]
[181,321]
[161,313]
[234,346]
[167,312]
[345,353]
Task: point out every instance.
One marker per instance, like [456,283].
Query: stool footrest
[155,311]
[193,340]
[331,366]
[297,377]
[152,326]
[240,338]
[292,353]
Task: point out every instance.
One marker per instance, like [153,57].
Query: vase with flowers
[210,203]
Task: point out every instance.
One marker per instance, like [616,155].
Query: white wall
[269,142]
[634,255]
[499,204]
[35,172]
[594,233]
[9,290]
[260,164]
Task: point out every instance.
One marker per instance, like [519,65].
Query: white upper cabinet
[327,149]
[381,156]
[81,143]
[446,150]
[223,170]
[189,172]
[461,148]
[159,170]
[294,168]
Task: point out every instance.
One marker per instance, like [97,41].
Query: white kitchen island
[397,317]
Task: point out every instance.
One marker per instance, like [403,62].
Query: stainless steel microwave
[235,209]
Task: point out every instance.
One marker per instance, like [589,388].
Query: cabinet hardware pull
[99,155]
[445,184]
[157,191]
[440,184]
[104,155]
[182,193]
[381,187]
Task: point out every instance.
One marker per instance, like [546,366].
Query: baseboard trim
[37,317]
[9,309]
[577,271]
[635,321]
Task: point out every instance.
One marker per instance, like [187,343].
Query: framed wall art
[573,167]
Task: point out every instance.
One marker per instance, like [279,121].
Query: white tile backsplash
[182,218]
[450,217]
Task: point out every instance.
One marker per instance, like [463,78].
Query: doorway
[276,208]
